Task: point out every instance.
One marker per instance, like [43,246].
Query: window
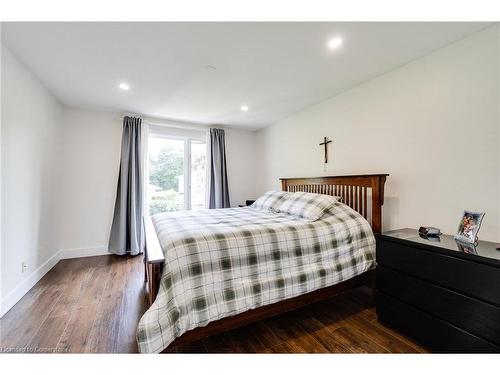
[176,173]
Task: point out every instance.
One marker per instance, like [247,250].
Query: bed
[213,270]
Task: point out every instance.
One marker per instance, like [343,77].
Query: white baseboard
[14,296]
[84,252]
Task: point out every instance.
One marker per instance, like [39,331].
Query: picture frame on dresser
[469,226]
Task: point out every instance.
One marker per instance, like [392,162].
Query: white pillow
[310,206]
[270,200]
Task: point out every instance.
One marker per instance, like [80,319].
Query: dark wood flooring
[92,305]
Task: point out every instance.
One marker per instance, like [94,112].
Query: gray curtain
[218,192]
[127,235]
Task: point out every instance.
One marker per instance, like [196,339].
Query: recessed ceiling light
[124,86]
[334,43]
[244,108]
[210,67]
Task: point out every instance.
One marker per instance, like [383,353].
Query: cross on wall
[325,144]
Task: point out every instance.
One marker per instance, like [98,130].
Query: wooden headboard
[354,191]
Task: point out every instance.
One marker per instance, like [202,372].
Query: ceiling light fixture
[210,67]
[334,43]
[244,108]
[124,86]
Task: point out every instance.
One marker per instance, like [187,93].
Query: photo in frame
[469,226]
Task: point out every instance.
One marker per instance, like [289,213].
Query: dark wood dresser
[444,295]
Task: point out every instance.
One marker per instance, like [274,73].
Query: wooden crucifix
[325,143]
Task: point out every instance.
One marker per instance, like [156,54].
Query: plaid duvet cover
[223,262]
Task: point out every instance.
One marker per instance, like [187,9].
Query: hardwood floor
[92,305]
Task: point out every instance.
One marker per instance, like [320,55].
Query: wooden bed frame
[355,192]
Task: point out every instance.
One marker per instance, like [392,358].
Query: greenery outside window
[177,173]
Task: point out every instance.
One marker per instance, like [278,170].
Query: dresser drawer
[479,318]
[434,333]
[468,277]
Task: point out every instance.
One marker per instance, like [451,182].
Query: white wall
[241,158]
[433,124]
[90,164]
[31,138]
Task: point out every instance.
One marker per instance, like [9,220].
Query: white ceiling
[274,68]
